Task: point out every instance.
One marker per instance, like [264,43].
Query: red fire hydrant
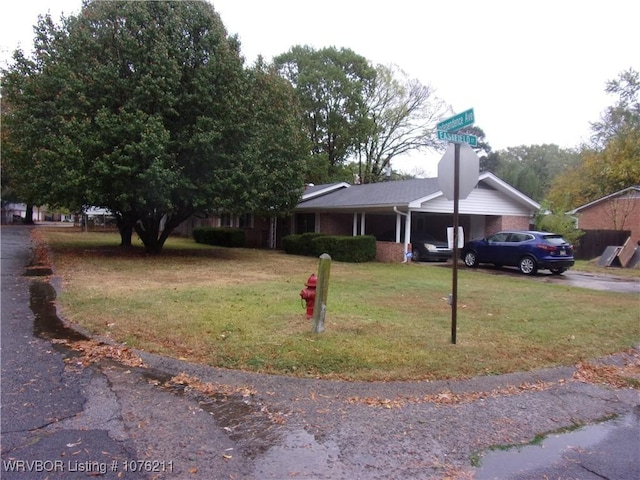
[309,294]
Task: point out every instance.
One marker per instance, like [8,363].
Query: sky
[534,72]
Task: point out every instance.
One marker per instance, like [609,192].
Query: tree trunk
[28,217]
[126,232]
[148,230]
[152,236]
[125,224]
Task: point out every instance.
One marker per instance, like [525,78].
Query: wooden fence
[594,242]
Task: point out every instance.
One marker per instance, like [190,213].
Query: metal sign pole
[454,288]
[447,131]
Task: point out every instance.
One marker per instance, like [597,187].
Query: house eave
[351,208]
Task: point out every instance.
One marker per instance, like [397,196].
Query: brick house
[396,212]
[617,211]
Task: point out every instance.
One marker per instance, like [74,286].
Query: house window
[236,221]
[245,221]
[226,220]
[305,222]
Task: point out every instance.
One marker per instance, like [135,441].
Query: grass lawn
[240,308]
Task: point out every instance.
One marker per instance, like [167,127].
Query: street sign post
[446,131]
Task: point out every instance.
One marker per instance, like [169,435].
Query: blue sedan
[527,250]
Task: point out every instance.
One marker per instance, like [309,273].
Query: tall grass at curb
[240,308]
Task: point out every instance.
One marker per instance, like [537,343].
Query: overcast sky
[533,71]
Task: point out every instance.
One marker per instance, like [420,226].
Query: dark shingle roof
[375,194]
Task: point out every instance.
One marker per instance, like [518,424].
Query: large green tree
[145,108]
[331,85]
[400,116]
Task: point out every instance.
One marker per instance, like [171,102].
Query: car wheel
[470,259]
[558,271]
[416,255]
[528,265]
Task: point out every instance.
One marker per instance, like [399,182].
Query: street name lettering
[457,122]
[458,138]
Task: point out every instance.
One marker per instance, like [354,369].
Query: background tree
[331,86]
[143,113]
[401,115]
[612,161]
[490,162]
[482,148]
[9,192]
[623,115]
[31,119]
[276,150]
[531,169]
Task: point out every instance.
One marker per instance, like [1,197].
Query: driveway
[572,277]
[611,283]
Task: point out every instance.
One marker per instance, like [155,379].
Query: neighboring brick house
[397,211]
[618,211]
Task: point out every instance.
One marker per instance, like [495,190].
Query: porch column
[407,231]
[362,223]
[398,226]
[355,224]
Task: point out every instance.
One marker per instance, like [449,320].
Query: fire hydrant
[309,294]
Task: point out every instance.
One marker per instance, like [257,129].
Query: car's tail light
[545,247]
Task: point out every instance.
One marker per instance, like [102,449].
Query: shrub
[224,237]
[341,248]
[301,244]
[558,223]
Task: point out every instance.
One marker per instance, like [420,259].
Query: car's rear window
[555,239]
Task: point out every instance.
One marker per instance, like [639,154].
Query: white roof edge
[328,189]
[494,181]
[419,201]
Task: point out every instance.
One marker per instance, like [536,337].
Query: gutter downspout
[407,230]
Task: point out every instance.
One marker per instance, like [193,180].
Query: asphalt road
[573,278]
[63,419]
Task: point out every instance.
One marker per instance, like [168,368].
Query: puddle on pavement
[505,463]
[245,420]
[46,323]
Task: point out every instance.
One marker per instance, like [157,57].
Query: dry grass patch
[240,308]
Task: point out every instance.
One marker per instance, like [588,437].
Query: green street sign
[458,138]
[457,122]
